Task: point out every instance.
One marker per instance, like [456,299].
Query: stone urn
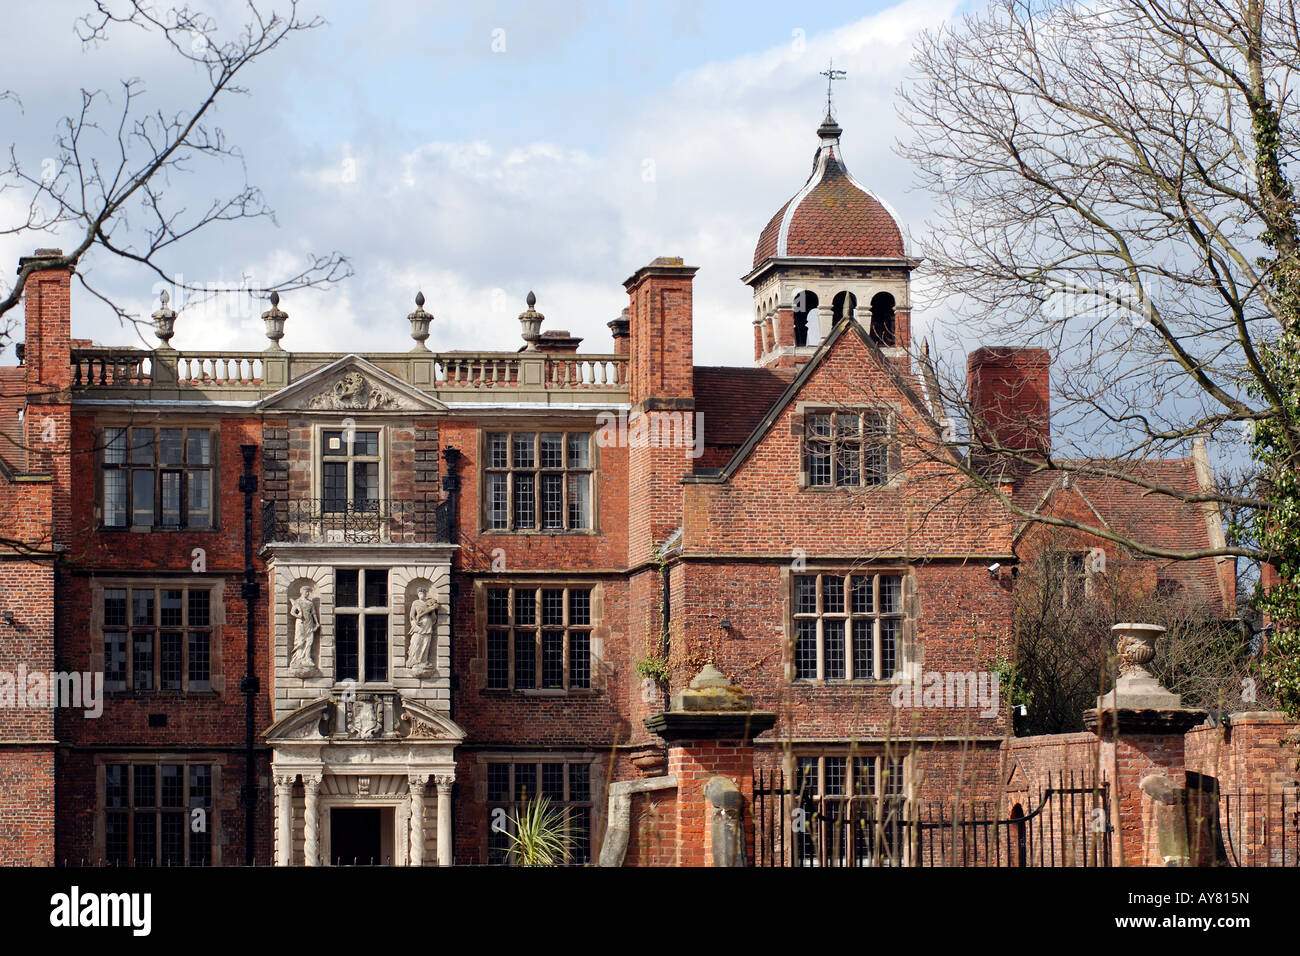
[420,320]
[274,318]
[164,321]
[1136,646]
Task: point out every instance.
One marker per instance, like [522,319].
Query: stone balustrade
[168,374]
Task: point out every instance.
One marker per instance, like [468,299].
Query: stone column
[284,819]
[710,730]
[444,782]
[311,820]
[825,322]
[415,855]
[1142,725]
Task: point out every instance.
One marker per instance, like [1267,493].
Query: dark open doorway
[356,836]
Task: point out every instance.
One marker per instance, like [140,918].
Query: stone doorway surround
[407,765]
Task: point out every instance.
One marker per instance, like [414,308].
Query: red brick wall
[26,806]
[206,724]
[652,838]
[694,763]
[1253,750]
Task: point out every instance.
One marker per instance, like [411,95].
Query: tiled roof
[833,215]
[1149,517]
[13,396]
[734,400]
[766,247]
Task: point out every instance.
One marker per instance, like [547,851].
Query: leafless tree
[1064,651]
[108,186]
[1104,173]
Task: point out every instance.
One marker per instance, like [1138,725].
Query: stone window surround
[510,426]
[217,611]
[891,410]
[213,426]
[598,630]
[909,650]
[400,576]
[216,761]
[357,423]
[596,775]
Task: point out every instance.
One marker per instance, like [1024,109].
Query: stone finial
[711,691]
[274,318]
[164,321]
[420,324]
[531,321]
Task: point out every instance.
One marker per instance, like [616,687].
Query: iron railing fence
[385,521]
[1064,823]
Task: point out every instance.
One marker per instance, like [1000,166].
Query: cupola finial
[829,128]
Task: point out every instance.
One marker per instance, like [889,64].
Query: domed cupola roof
[833,215]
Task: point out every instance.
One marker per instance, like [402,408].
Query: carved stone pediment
[354,391]
[303,724]
[424,723]
[352,384]
[373,720]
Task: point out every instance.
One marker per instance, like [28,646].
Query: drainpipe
[249,685]
[451,485]
[667,631]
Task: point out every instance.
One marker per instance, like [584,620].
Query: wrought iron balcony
[391,521]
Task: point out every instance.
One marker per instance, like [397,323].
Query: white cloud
[694,169]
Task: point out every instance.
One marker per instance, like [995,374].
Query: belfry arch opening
[882,319]
[805,304]
[844,304]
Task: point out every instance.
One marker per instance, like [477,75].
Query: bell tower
[834,251]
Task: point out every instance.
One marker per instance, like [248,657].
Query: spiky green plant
[540,835]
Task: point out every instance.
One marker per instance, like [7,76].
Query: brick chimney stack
[48,336]
[661,347]
[47,356]
[662,391]
[1009,391]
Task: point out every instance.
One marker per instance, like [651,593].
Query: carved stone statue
[422,616]
[306,623]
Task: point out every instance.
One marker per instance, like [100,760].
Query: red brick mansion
[360,607]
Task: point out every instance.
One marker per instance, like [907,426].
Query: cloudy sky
[477,151]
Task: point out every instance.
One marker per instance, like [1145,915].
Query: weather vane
[831,75]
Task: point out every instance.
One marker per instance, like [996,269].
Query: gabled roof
[732,400]
[1156,519]
[791,390]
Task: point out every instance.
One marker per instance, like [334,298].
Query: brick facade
[689,544]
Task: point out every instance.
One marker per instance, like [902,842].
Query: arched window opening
[882,319]
[805,304]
